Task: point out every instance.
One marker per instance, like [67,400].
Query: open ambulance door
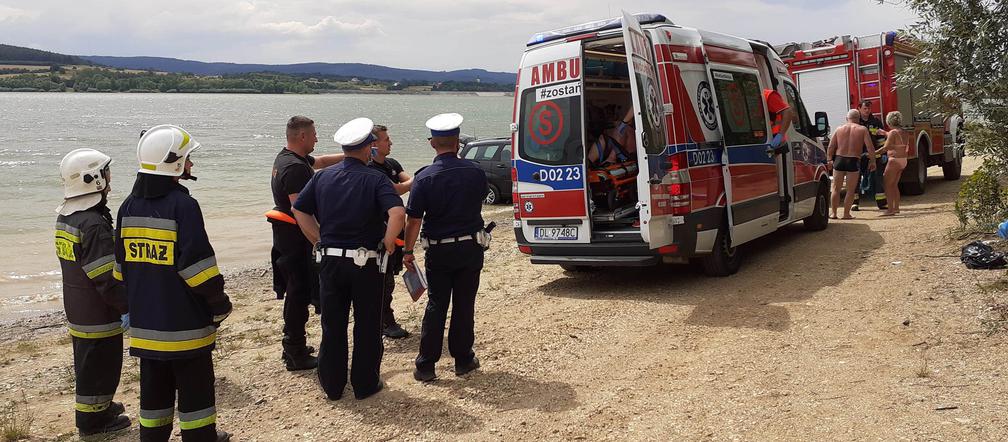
[751,174]
[649,120]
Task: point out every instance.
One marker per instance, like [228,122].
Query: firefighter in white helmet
[176,291]
[93,299]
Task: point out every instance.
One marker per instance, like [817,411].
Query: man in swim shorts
[843,156]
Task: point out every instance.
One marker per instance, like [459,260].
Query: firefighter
[176,292]
[871,180]
[341,210]
[93,299]
[293,271]
[401,182]
[446,201]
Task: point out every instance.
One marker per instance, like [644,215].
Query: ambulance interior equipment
[607,97]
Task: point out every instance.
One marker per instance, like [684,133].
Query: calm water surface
[240,135]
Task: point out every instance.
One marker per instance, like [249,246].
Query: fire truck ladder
[869,42]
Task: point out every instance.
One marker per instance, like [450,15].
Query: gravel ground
[871,329]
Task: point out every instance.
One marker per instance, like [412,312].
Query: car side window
[470,154]
[506,154]
[489,152]
[740,102]
[801,119]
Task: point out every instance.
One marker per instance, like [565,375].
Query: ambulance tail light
[514,192]
[678,184]
[525,249]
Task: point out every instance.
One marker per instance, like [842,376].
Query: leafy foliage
[963,63]
[982,202]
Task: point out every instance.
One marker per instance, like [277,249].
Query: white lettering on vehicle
[560,174]
[702,157]
[559,91]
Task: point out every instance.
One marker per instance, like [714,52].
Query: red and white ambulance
[835,74]
[701,180]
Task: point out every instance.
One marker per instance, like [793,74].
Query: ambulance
[695,180]
[835,74]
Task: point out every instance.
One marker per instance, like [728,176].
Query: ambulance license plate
[556,233]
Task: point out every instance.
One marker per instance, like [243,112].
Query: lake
[240,135]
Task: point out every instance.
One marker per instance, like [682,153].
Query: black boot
[299,358]
[115,424]
[223,436]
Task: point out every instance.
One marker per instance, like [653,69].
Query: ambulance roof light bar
[594,26]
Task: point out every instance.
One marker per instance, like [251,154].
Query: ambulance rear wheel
[724,259]
[819,218]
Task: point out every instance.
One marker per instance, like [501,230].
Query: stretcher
[613,184]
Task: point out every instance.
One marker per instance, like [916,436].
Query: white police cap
[445,125]
[355,134]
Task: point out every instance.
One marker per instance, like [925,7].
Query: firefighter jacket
[176,292]
[92,298]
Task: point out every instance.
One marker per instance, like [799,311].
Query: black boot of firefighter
[298,356]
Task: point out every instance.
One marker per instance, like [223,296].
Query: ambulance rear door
[649,118]
[551,204]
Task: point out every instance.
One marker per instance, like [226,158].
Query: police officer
[446,198]
[402,182]
[871,179]
[176,292]
[342,211]
[94,300]
[293,271]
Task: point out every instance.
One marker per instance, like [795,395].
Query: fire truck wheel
[819,218]
[493,195]
[725,259]
[917,171]
[952,170]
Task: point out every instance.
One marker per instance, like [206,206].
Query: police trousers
[97,368]
[193,380]
[453,274]
[343,284]
[295,276]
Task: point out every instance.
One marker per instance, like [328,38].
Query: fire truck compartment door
[649,120]
[826,90]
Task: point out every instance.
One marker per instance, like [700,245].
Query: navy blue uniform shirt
[448,195]
[350,201]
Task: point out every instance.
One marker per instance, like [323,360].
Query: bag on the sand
[977,255]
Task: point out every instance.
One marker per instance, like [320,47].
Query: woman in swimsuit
[897,148]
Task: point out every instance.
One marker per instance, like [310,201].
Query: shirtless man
[615,145]
[846,146]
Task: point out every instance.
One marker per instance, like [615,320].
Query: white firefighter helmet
[84,178]
[163,150]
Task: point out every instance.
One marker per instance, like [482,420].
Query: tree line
[105,80]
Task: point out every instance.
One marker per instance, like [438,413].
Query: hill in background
[19,55]
[330,69]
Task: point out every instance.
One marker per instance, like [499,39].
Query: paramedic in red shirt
[781,115]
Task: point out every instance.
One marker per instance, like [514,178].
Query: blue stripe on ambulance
[566,177]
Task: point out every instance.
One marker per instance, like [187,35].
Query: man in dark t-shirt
[871,181]
[295,278]
[402,182]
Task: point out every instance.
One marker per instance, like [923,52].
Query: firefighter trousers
[453,275]
[343,284]
[193,380]
[97,368]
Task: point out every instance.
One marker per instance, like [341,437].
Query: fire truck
[836,74]
[696,177]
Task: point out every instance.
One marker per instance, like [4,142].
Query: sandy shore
[871,329]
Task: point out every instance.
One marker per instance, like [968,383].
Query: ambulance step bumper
[599,261]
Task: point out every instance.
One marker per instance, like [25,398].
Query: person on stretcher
[615,145]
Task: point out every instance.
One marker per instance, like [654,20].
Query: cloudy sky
[429,34]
